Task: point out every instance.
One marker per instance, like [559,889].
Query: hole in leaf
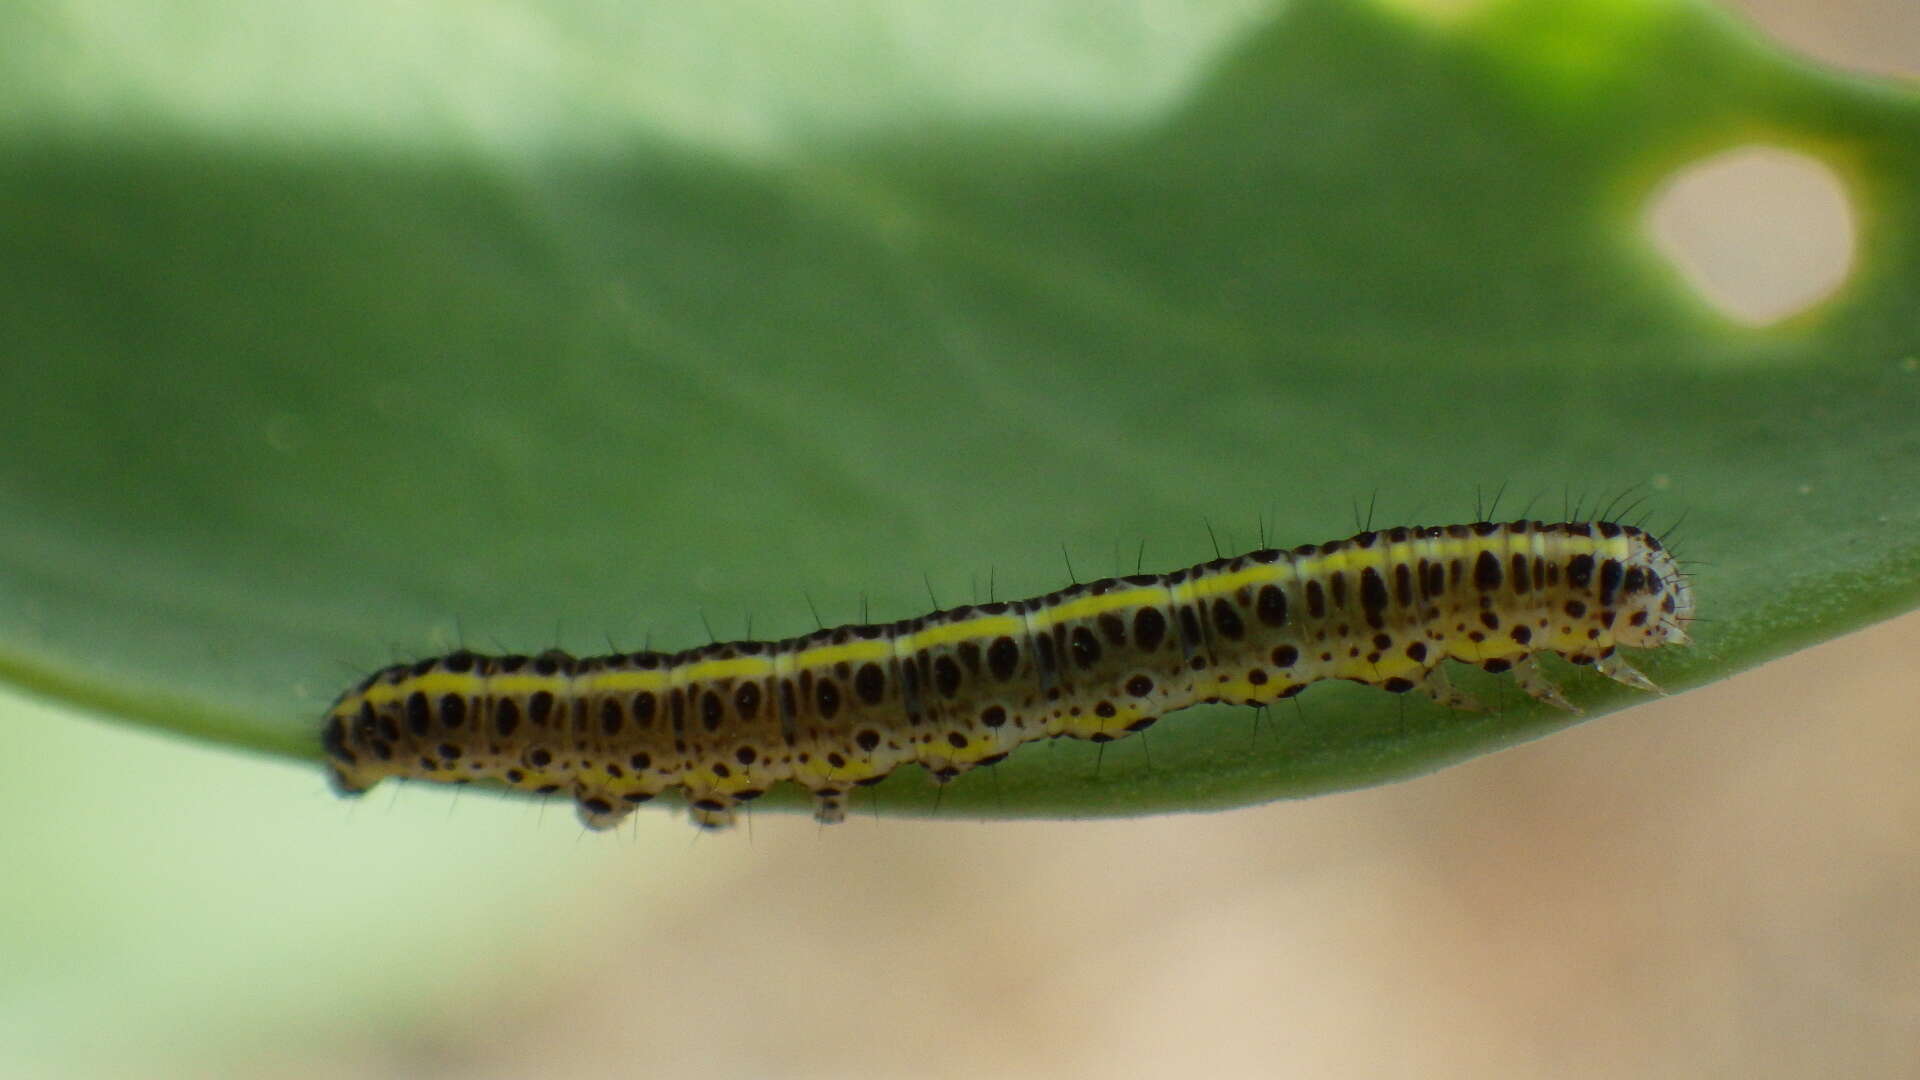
[1762,233]
[1875,37]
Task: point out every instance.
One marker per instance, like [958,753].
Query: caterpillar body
[958,689]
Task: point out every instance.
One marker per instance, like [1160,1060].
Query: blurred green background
[336,337]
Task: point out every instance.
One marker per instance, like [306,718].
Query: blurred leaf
[338,341]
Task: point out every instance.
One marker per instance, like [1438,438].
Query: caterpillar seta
[957,689]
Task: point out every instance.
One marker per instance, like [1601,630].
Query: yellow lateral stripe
[1370,559]
[625,682]
[1181,593]
[1039,620]
[1307,567]
[1404,553]
[1088,607]
[528,684]
[467,684]
[966,630]
[851,652]
[1314,566]
[434,683]
[1577,545]
[748,666]
[1222,585]
[1265,574]
[1031,631]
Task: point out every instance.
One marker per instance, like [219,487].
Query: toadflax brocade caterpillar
[962,688]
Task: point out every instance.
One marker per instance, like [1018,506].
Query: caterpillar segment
[954,690]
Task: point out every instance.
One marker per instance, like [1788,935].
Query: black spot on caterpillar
[961,688]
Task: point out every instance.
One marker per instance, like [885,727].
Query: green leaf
[562,339]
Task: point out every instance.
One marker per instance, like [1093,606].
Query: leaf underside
[286,410]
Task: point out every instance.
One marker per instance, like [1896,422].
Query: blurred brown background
[1724,883]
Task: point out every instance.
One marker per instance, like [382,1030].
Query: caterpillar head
[1655,599]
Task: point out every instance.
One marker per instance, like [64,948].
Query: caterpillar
[958,689]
